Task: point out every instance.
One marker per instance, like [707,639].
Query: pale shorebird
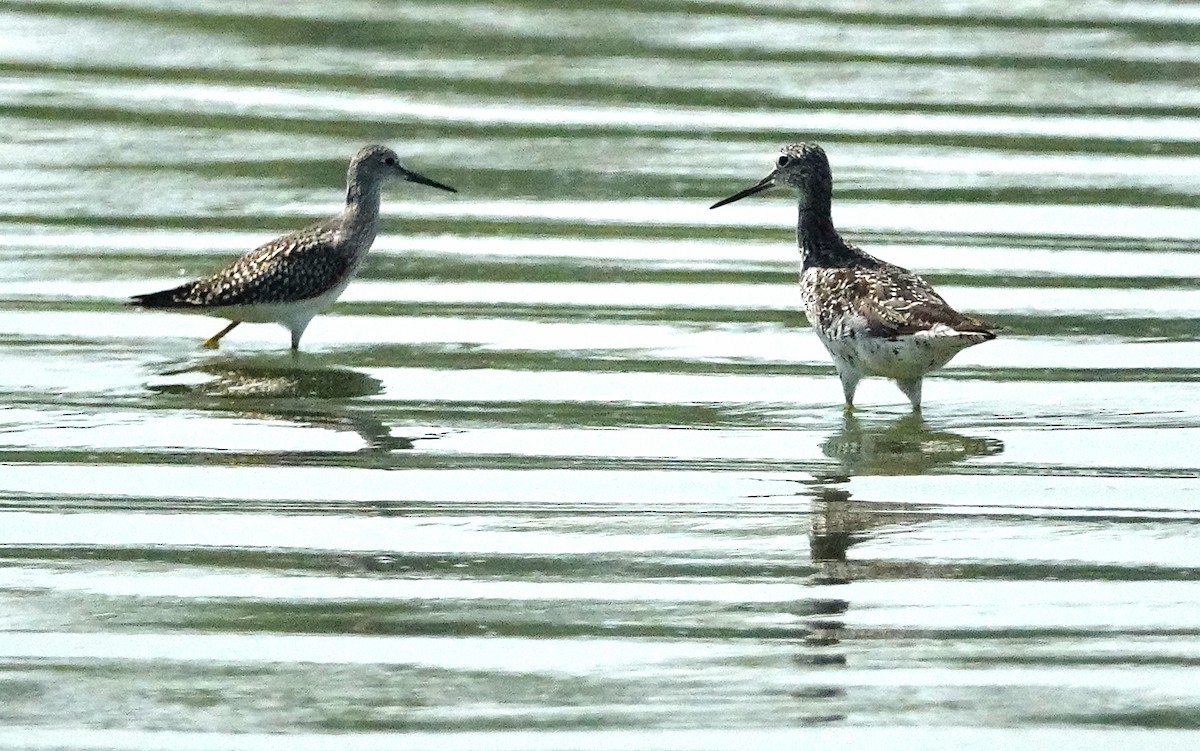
[875,318]
[293,278]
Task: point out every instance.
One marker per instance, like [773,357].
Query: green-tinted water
[565,467]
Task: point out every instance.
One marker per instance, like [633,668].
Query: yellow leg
[214,341]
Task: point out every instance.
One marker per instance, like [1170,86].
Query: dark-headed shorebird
[875,318]
[293,278]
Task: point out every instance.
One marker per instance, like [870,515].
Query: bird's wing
[891,301]
[900,303]
[297,266]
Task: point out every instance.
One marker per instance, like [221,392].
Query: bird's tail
[176,297]
[972,326]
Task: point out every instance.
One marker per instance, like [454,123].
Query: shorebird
[293,278]
[874,318]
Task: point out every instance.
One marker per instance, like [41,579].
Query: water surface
[565,468]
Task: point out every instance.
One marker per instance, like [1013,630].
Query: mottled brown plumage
[293,278]
[892,300]
[874,318]
[297,266]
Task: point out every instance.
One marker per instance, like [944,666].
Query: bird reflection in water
[274,389]
[906,446]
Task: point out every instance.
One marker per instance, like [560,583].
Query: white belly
[904,358]
[293,315]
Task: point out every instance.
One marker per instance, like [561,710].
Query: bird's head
[802,166]
[376,163]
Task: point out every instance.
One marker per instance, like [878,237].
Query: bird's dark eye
[783,160]
[389,161]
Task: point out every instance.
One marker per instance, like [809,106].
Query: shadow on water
[906,446]
[288,390]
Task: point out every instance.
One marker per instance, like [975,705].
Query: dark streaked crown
[806,151]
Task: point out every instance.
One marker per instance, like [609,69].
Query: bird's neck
[360,219]
[820,243]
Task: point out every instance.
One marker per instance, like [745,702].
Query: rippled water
[565,468]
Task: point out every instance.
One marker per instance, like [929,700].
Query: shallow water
[565,468]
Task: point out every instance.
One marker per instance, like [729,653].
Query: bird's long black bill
[414,177]
[766,182]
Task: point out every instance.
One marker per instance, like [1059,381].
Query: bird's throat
[362,209]
[820,244]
